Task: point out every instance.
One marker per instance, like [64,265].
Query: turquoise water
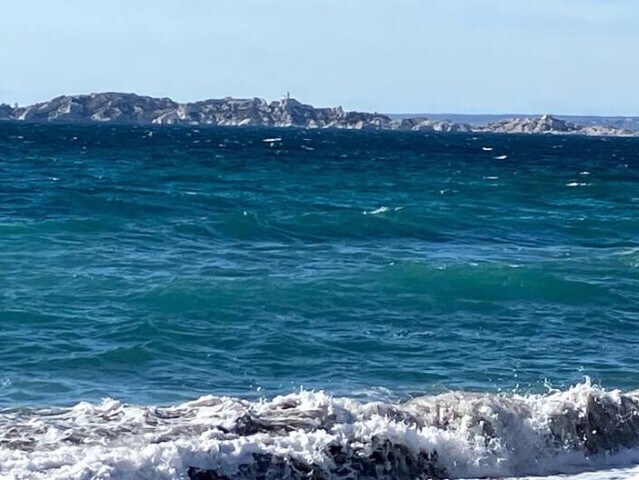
[155,265]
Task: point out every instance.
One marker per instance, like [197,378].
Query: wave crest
[313,435]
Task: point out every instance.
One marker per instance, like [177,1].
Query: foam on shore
[579,431]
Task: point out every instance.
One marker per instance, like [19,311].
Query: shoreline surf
[580,432]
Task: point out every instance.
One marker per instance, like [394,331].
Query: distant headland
[132,109]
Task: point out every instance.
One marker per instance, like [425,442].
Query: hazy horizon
[566,57]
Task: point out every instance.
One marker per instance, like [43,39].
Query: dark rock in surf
[604,425]
[197,474]
[386,461]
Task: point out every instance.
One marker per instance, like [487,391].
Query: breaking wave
[314,435]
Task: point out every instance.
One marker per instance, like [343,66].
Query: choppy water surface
[156,265]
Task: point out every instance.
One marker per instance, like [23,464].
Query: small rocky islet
[128,108]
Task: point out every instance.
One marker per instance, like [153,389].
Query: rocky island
[128,108]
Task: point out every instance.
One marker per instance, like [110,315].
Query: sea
[254,303]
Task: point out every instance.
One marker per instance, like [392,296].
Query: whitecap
[452,435]
[377,211]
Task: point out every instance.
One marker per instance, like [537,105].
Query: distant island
[132,109]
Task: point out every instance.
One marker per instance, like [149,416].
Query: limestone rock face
[128,108]
[605,131]
[550,125]
[6,112]
[134,109]
[97,107]
[426,125]
[543,124]
[228,112]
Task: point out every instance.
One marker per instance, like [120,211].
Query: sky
[391,56]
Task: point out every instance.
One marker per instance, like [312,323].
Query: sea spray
[313,435]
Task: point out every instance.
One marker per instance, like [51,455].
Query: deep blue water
[157,264]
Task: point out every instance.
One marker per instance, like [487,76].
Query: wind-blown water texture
[156,265]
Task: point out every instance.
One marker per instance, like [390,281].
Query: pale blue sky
[473,56]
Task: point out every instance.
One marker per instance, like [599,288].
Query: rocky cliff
[543,124]
[549,124]
[424,124]
[127,108]
[135,109]
[6,112]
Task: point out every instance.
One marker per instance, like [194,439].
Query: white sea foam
[454,435]
[377,211]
